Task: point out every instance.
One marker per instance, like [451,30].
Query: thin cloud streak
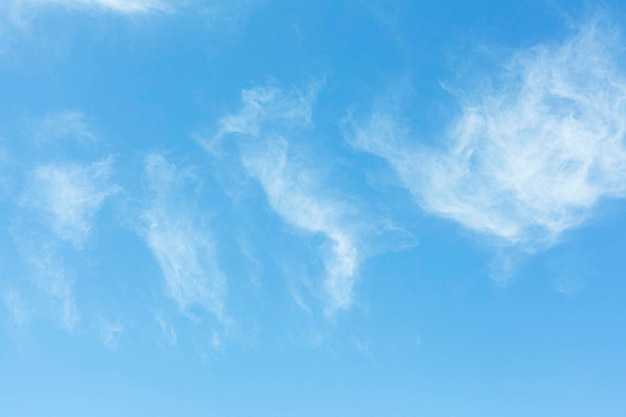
[263,107]
[64,125]
[291,197]
[181,242]
[531,155]
[116,6]
[110,333]
[50,276]
[14,304]
[266,115]
[168,333]
[18,17]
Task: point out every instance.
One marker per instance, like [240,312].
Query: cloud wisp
[50,276]
[267,107]
[14,304]
[17,16]
[126,7]
[69,196]
[63,125]
[181,242]
[56,209]
[293,192]
[532,153]
[110,333]
[292,195]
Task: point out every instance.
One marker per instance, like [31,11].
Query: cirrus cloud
[180,241]
[268,117]
[532,153]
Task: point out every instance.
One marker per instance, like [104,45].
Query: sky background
[331,208]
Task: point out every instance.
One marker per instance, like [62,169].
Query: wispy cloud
[267,105]
[64,125]
[293,191]
[69,196]
[110,333]
[116,6]
[168,333]
[49,275]
[292,195]
[181,241]
[4,171]
[17,16]
[56,204]
[14,304]
[532,152]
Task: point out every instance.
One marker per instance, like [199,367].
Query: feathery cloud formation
[268,107]
[530,155]
[18,15]
[68,124]
[116,6]
[268,114]
[292,196]
[58,204]
[49,275]
[15,307]
[69,196]
[181,242]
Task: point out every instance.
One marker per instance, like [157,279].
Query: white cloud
[532,153]
[181,242]
[291,189]
[58,204]
[267,105]
[292,195]
[70,196]
[116,6]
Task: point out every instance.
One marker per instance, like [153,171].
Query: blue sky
[333,208]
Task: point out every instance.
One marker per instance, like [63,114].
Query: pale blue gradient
[334,208]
